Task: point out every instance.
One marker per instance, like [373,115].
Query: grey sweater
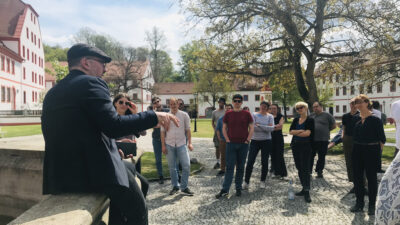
[263,126]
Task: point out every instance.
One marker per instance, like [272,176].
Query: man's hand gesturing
[165,118]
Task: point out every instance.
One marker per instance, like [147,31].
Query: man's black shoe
[371,210]
[220,173]
[319,174]
[238,192]
[352,191]
[222,193]
[174,191]
[217,165]
[161,180]
[307,197]
[356,208]
[187,192]
[301,193]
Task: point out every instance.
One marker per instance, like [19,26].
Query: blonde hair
[365,99]
[173,99]
[305,105]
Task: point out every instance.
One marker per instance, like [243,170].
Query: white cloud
[61,19]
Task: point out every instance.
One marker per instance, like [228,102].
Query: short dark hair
[375,104]
[265,103]
[237,96]
[74,62]
[221,100]
[319,103]
[154,99]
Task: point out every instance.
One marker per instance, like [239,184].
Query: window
[27,33]
[8,65]
[257,98]
[352,90]
[23,51]
[24,73]
[24,97]
[206,98]
[34,20]
[13,67]
[245,98]
[35,39]
[345,109]
[361,88]
[3,94]
[39,42]
[257,109]
[369,89]
[27,54]
[134,96]
[337,91]
[31,36]
[168,101]
[337,77]
[8,94]
[337,109]
[33,57]
[33,76]
[36,96]
[379,87]
[33,96]
[392,85]
[31,17]
[344,90]
[3,63]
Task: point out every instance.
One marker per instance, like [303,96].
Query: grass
[23,130]
[387,153]
[204,128]
[149,169]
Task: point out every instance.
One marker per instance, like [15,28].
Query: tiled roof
[12,15]
[174,88]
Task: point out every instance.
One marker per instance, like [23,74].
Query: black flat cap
[81,50]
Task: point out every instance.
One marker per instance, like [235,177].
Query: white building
[142,95]
[21,57]
[184,91]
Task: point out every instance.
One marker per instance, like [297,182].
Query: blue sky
[125,20]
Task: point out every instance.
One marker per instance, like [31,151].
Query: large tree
[248,31]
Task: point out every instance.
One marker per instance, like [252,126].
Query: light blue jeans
[174,154]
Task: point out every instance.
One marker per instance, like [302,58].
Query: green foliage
[55,53]
[189,57]
[59,71]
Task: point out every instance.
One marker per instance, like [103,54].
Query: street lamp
[195,111]
[384,106]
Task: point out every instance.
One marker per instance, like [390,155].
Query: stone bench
[76,209]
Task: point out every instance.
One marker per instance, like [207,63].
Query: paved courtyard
[330,201]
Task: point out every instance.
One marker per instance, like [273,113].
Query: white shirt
[176,136]
[395,114]
[377,113]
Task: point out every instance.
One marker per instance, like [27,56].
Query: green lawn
[149,169]
[387,154]
[204,128]
[23,130]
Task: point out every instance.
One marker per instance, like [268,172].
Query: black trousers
[255,147]
[127,205]
[365,160]
[320,148]
[278,159]
[302,156]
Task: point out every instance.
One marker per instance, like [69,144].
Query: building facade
[22,76]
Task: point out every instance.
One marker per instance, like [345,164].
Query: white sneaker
[245,186]
[263,184]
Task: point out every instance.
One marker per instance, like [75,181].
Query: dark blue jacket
[78,124]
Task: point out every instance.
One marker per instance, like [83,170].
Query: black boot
[301,193]
[371,210]
[357,208]
[307,197]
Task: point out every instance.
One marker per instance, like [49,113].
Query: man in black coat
[79,123]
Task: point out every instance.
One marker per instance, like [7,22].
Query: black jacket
[78,122]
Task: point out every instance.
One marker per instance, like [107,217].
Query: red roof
[12,16]
[174,88]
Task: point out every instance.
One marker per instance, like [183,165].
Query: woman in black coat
[277,158]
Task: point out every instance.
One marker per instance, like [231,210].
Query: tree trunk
[284,106]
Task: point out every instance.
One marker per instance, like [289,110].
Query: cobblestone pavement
[330,201]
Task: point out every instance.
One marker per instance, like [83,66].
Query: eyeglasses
[156,102]
[237,101]
[122,102]
[97,60]
[300,107]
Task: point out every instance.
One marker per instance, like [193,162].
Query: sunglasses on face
[156,102]
[237,101]
[300,107]
[122,102]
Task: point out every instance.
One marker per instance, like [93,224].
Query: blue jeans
[236,154]
[178,153]
[158,155]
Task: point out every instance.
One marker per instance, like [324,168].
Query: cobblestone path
[330,199]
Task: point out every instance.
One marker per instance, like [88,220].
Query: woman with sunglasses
[368,139]
[124,106]
[302,129]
